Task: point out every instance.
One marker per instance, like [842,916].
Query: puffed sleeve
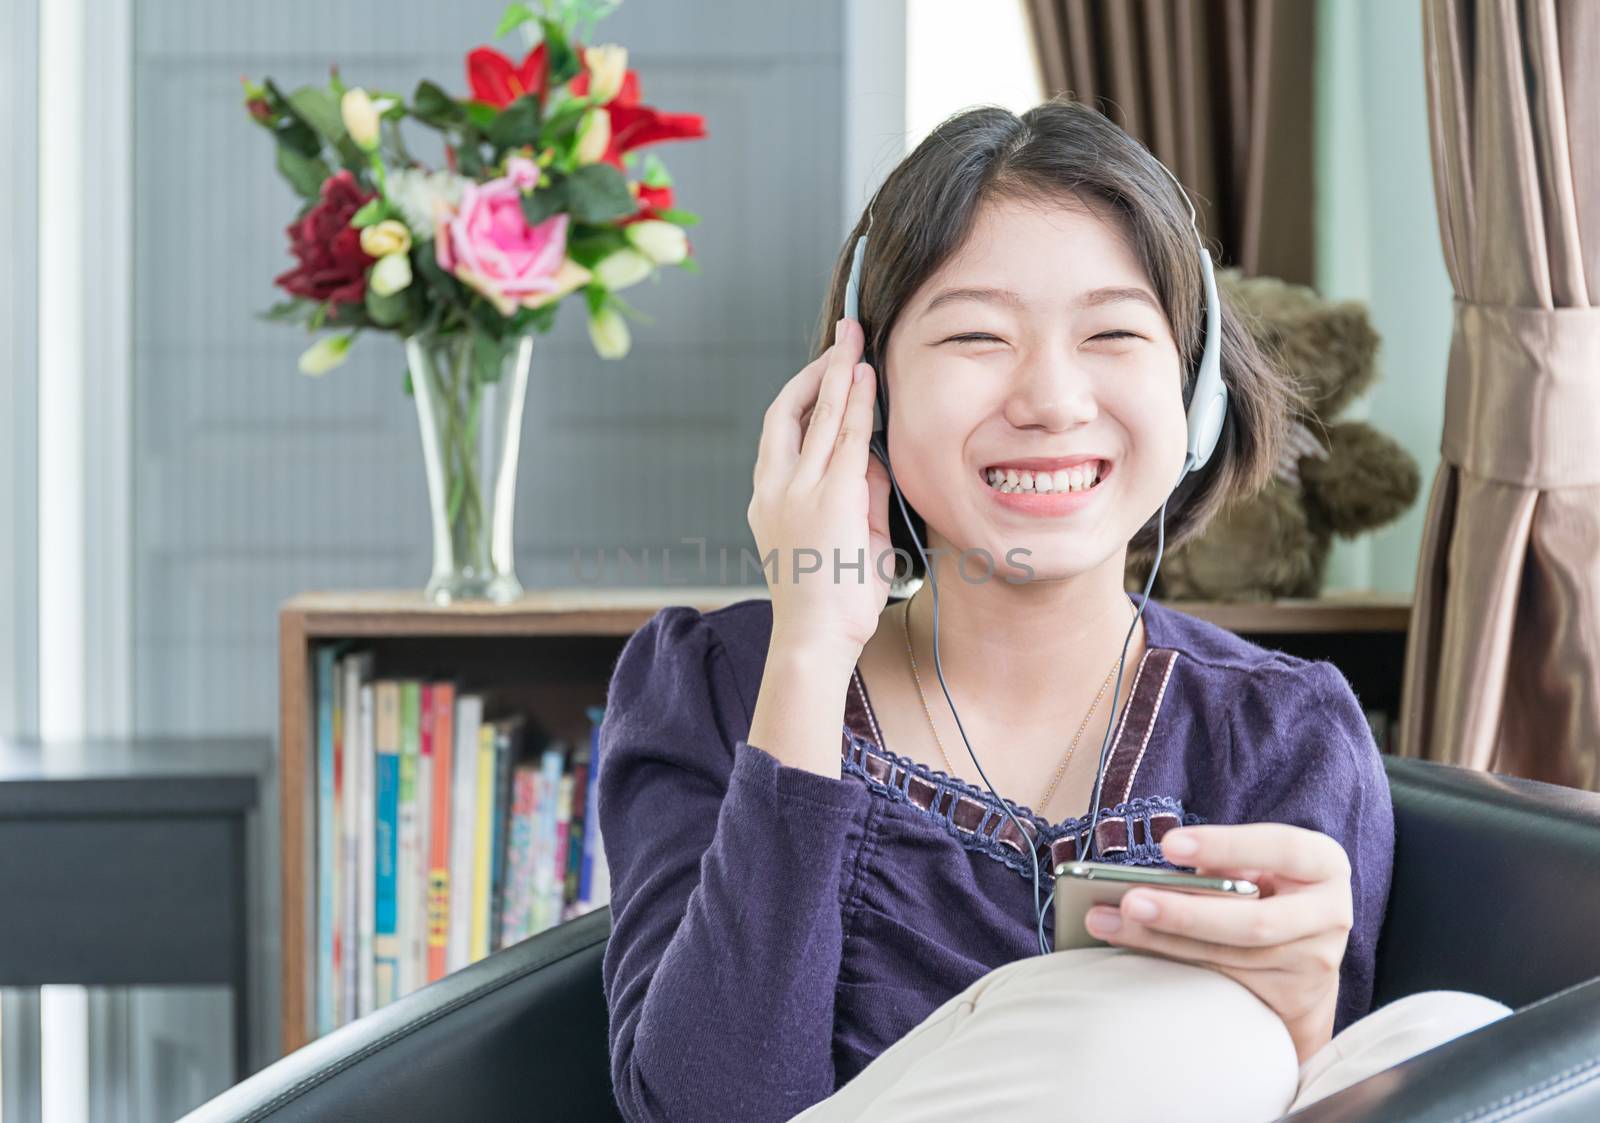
[728,870]
[1314,764]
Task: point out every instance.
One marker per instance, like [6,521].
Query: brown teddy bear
[1340,477]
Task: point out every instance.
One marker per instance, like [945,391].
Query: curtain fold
[1222,91]
[1503,657]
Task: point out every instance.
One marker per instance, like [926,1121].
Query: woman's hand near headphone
[820,503]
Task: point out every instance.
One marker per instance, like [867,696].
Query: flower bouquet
[541,196]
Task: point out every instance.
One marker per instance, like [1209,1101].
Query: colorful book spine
[504,758]
[591,815]
[353,757]
[516,910]
[366,850]
[443,702]
[573,876]
[408,877]
[417,944]
[483,843]
[552,762]
[463,811]
[385,937]
[558,868]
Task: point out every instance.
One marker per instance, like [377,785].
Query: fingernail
[1180,845]
[1103,920]
[1141,909]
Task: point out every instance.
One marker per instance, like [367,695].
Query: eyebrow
[1109,294]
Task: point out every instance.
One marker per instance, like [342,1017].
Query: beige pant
[1133,1035]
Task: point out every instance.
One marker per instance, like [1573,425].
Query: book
[463,811]
[385,938]
[552,766]
[408,867]
[327,845]
[354,758]
[507,745]
[483,843]
[580,805]
[517,908]
[556,894]
[366,851]
[442,705]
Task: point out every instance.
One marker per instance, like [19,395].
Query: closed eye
[979,337]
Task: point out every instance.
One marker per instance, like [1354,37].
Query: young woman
[817,903]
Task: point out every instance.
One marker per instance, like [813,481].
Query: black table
[124,863]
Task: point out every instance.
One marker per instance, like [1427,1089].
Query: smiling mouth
[1062,481]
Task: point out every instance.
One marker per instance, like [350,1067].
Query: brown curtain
[1503,661]
[1221,91]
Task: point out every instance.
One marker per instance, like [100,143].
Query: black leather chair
[1496,890]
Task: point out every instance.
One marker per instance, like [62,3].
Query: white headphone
[1208,409]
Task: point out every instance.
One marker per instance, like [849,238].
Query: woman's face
[1065,365]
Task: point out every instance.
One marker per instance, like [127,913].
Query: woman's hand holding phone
[820,503]
[1286,946]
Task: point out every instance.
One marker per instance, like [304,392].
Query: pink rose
[487,243]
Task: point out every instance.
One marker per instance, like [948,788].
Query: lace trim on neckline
[1142,850]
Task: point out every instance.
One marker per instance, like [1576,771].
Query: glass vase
[469,390]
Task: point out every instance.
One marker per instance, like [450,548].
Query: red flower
[333,266]
[652,201]
[496,80]
[634,125]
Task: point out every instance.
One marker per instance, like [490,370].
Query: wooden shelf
[553,649]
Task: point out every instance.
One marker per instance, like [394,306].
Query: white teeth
[1080,478]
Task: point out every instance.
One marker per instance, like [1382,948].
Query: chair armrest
[1496,886]
[1540,1065]
[518,1035]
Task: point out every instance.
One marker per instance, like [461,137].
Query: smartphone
[1082,885]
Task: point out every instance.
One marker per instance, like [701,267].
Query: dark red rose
[333,266]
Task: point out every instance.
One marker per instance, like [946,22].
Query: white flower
[360,117]
[608,331]
[621,268]
[391,274]
[384,238]
[608,65]
[414,192]
[594,134]
[662,242]
[325,354]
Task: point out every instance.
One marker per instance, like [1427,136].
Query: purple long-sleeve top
[775,929]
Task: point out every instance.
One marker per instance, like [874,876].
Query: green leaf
[318,318]
[515,16]
[286,310]
[299,136]
[689,265]
[562,59]
[432,106]
[469,157]
[372,212]
[319,108]
[304,173]
[486,356]
[561,125]
[544,202]
[517,124]
[655,172]
[479,114]
[594,296]
[597,193]
[386,311]
[680,217]
[588,247]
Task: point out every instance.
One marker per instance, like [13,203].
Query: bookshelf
[552,651]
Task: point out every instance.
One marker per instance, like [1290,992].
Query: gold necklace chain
[1061,769]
